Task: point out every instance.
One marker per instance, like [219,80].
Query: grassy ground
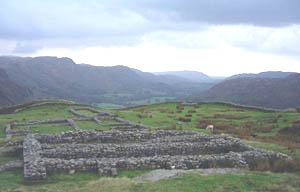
[267,128]
[243,123]
[246,181]
[109,106]
[51,128]
[90,125]
[36,114]
[87,113]
[295,153]
[150,100]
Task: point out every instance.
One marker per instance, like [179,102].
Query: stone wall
[70,152]
[34,167]
[112,136]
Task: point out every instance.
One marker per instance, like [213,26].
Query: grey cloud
[124,22]
[255,12]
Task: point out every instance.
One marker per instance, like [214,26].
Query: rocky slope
[266,92]
[10,92]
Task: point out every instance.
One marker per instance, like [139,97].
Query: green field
[150,101]
[278,131]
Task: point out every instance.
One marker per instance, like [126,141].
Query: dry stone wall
[71,152]
[120,124]
[34,167]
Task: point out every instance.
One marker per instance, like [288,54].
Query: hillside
[52,77]
[69,132]
[194,76]
[267,74]
[266,92]
[10,92]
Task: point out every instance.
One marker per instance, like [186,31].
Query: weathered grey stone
[150,150]
[11,165]
[34,168]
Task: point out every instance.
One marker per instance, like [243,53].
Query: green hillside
[278,131]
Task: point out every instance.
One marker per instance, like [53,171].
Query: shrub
[180,107]
[188,115]
[191,111]
[171,127]
[267,128]
[231,116]
[141,115]
[184,119]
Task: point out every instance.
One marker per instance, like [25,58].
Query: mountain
[10,92]
[267,74]
[266,92]
[52,77]
[194,76]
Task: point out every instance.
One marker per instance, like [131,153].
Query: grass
[228,182]
[86,112]
[275,147]
[132,174]
[226,119]
[231,120]
[150,101]
[109,106]
[37,114]
[246,181]
[6,159]
[90,125]
[50,128]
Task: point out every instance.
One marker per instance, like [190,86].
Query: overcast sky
[217,37]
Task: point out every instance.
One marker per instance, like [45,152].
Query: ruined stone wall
[76,151]
[34,167]
[112,136]
[151,150]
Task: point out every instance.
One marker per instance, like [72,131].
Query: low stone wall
[49,104]
[34,167]
[112,136]
[76,151]
[16,150]
[110,166]
[262,109]
[8,131]
[98,113]
[152,150]
[11,165]
[73,124]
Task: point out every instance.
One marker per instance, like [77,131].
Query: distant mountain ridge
[267,74]
[52,77]
[26,78]
[194,76]
[277,93]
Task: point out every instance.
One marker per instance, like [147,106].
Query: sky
[217,37]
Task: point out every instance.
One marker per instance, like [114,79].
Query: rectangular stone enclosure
[107,152]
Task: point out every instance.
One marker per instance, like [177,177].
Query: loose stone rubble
[108,152]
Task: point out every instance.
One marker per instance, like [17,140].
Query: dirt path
[159,174]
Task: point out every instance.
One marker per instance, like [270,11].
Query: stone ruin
[127,146]
[108,152]
[99,117]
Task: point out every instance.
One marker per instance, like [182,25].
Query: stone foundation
[75,151]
